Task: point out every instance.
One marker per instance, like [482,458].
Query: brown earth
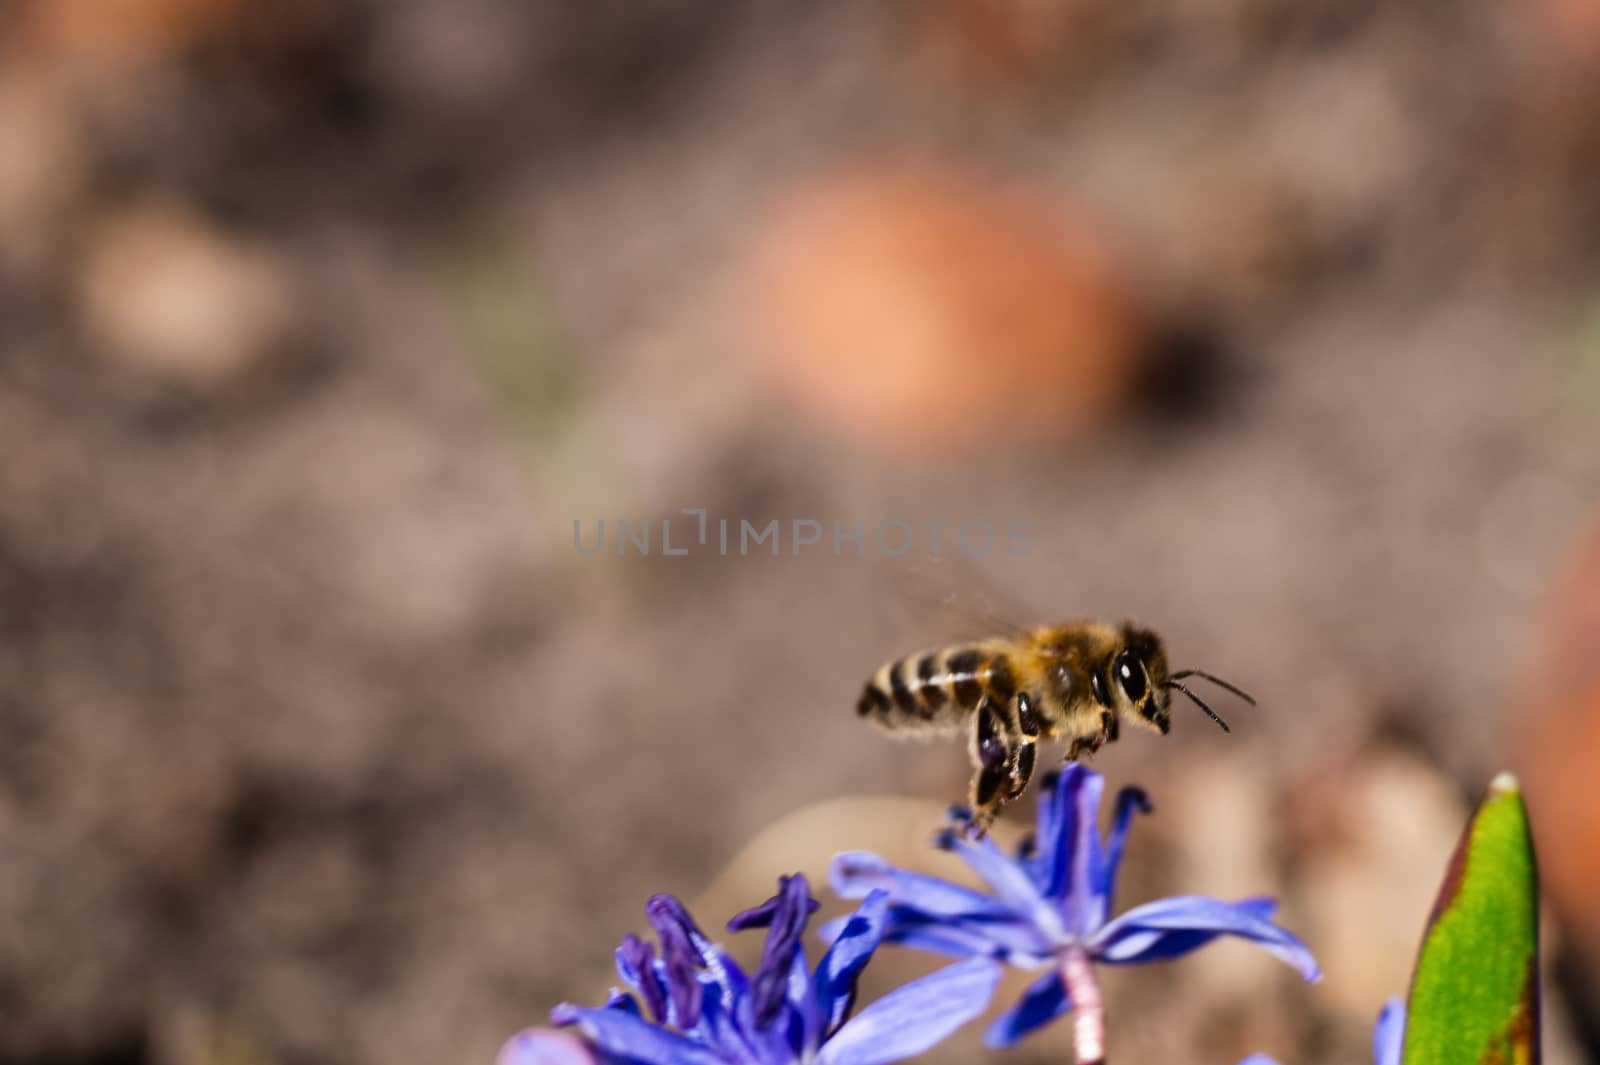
[320,742]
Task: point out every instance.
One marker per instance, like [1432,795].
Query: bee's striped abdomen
[937,688]
[906,691]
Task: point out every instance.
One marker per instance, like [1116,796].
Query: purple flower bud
[786,1014]
[666,911]
[676,929]
[761,916]
[786,914]
[636,960]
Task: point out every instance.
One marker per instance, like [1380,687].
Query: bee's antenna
[1212,714]
[1218,681]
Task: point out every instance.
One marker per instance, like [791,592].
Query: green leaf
[1475,994]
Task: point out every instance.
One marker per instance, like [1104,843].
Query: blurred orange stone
[1575,22]
[1559,727]
[929,313]
[44,168]
[122,31]
[164,290]
[1000,48]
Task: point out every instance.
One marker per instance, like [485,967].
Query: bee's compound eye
[1129,673]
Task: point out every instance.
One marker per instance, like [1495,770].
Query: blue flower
[1388,1038]
[1049,907]
[692,1004]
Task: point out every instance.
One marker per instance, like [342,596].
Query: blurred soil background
[1278,327]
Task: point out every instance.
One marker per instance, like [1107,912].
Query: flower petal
[1044,1001]
[805,1025]
[1003,936]
[858,937]
[545,1046]
[1068,865]
[1007,938]
[1047,821]
[856,873]
[631,1038]
[1388,1038]
[953,940]
[1129,801]
[1008,879]
[1078,860]
[1055,828]
[912,1018]
[718,1027]
[1168,928]
[727,974]
[619,999]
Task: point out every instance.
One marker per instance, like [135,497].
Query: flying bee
[1075,681]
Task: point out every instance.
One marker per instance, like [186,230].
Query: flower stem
[1088,1007]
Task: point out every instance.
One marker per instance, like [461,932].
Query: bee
[1075,681]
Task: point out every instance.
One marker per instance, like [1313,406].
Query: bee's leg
[1021,770]
[1025,754]
[1084,747]
[993,756]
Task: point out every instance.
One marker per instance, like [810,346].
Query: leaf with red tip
[1475,994]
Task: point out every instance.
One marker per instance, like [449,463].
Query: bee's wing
[949,598]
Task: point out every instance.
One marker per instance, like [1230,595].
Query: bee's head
[1139,678]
